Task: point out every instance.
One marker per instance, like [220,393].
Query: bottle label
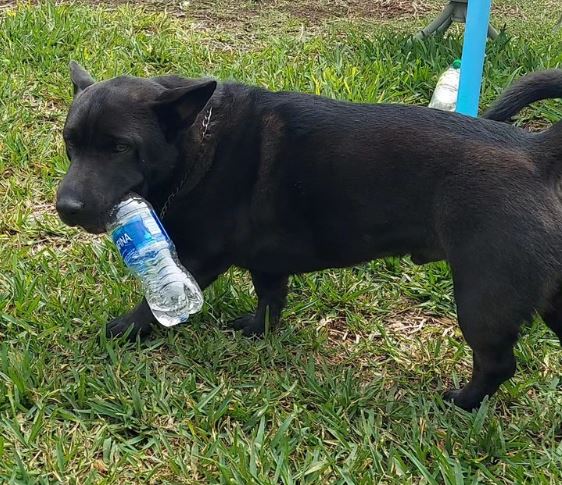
[136,234]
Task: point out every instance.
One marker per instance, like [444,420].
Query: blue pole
[474,48]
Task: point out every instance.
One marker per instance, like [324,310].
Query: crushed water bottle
[170,290]
[447,89]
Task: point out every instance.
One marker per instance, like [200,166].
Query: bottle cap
[457,64]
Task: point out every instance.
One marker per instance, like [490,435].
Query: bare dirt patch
[311,12]
[318,11]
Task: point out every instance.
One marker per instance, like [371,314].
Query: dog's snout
[69,207]
[75,211]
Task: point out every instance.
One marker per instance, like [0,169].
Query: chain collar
[204,132]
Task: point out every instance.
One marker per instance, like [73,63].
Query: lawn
[348,390]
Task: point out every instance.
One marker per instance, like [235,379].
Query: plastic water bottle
[447,89]
[170,290]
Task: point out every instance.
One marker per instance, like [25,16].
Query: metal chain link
[205,124]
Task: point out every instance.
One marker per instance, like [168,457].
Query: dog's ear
[179,107]
[81,79]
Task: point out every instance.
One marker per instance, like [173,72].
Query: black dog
[286,183]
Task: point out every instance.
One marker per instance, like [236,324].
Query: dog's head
[121,136]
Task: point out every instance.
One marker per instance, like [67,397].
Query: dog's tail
[525,91]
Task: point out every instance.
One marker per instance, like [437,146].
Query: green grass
[348,390]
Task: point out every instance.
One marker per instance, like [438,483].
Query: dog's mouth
[93,220]
[97,226]
[94,228]
[102,222]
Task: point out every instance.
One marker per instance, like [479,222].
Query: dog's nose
[69,206]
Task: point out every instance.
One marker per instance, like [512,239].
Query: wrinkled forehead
[120,105]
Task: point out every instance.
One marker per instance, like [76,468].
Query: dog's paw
[121,325]
[249,326]
[462,399]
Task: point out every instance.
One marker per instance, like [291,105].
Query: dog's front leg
[272,293]
[141,319]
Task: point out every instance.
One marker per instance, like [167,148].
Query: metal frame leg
[492,33]
[454,11]
[444,18]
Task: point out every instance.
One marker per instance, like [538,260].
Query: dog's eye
[121,147]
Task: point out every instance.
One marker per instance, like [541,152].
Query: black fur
[528,89]
[286,183]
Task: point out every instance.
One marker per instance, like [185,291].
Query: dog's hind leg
[272,294]
[492,304]
[552,315]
